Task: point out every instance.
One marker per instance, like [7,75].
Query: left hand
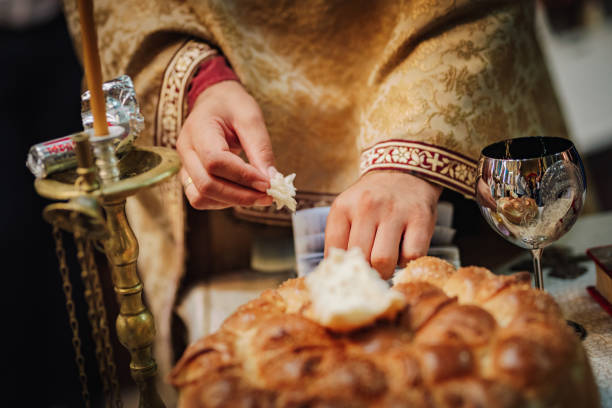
[382,210]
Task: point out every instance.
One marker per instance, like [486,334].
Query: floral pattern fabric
[427,161]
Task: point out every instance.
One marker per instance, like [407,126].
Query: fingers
[362,235]
[254,139]
[336,230]
[380,209]
[202,203]
[417,237]
[228,166]
[210,187]
[192,195]
[386,247]
[218,160]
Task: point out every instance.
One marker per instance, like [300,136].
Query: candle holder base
[82,215]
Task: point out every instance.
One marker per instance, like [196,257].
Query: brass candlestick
[106,186]
[139,169]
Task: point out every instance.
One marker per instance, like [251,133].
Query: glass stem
[537,268]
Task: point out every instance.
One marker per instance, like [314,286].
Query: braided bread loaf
[465,338]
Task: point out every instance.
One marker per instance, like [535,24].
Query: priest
[376,106]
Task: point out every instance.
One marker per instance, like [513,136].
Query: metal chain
[92,311]
[74,323]
[104,330]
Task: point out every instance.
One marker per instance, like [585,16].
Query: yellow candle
[93,69]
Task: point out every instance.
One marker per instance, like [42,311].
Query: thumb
[255,142]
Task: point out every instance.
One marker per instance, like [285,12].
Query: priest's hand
[389,215]
[224,121]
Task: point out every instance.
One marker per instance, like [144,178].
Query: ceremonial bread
[463,338]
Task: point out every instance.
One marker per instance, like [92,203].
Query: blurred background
[40,82]
[576,38]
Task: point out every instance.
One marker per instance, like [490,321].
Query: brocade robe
[345,87]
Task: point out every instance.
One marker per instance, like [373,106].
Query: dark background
[40,86]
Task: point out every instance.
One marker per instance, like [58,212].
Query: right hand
[224,121]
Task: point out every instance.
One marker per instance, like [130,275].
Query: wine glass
[531,190]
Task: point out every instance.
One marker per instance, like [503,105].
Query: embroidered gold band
[433,163]
[172,107]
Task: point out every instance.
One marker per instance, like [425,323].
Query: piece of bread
[464,338]
[338,288]
[282,190]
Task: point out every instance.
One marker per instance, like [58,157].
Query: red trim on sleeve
[433,163]
[210,72]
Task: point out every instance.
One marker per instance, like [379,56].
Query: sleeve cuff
[432,163]
[213,70]
[172,107]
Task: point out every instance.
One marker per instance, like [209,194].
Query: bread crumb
[282,189]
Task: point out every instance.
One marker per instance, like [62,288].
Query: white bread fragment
[282,189]
[346,293]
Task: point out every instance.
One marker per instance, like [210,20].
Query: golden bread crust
[466,338]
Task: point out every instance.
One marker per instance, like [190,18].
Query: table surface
[224,293]
[577,305]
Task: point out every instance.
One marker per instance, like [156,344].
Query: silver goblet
[531,190]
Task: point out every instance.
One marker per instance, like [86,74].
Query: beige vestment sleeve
[455,81]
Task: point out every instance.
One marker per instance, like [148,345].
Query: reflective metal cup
[531,190]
